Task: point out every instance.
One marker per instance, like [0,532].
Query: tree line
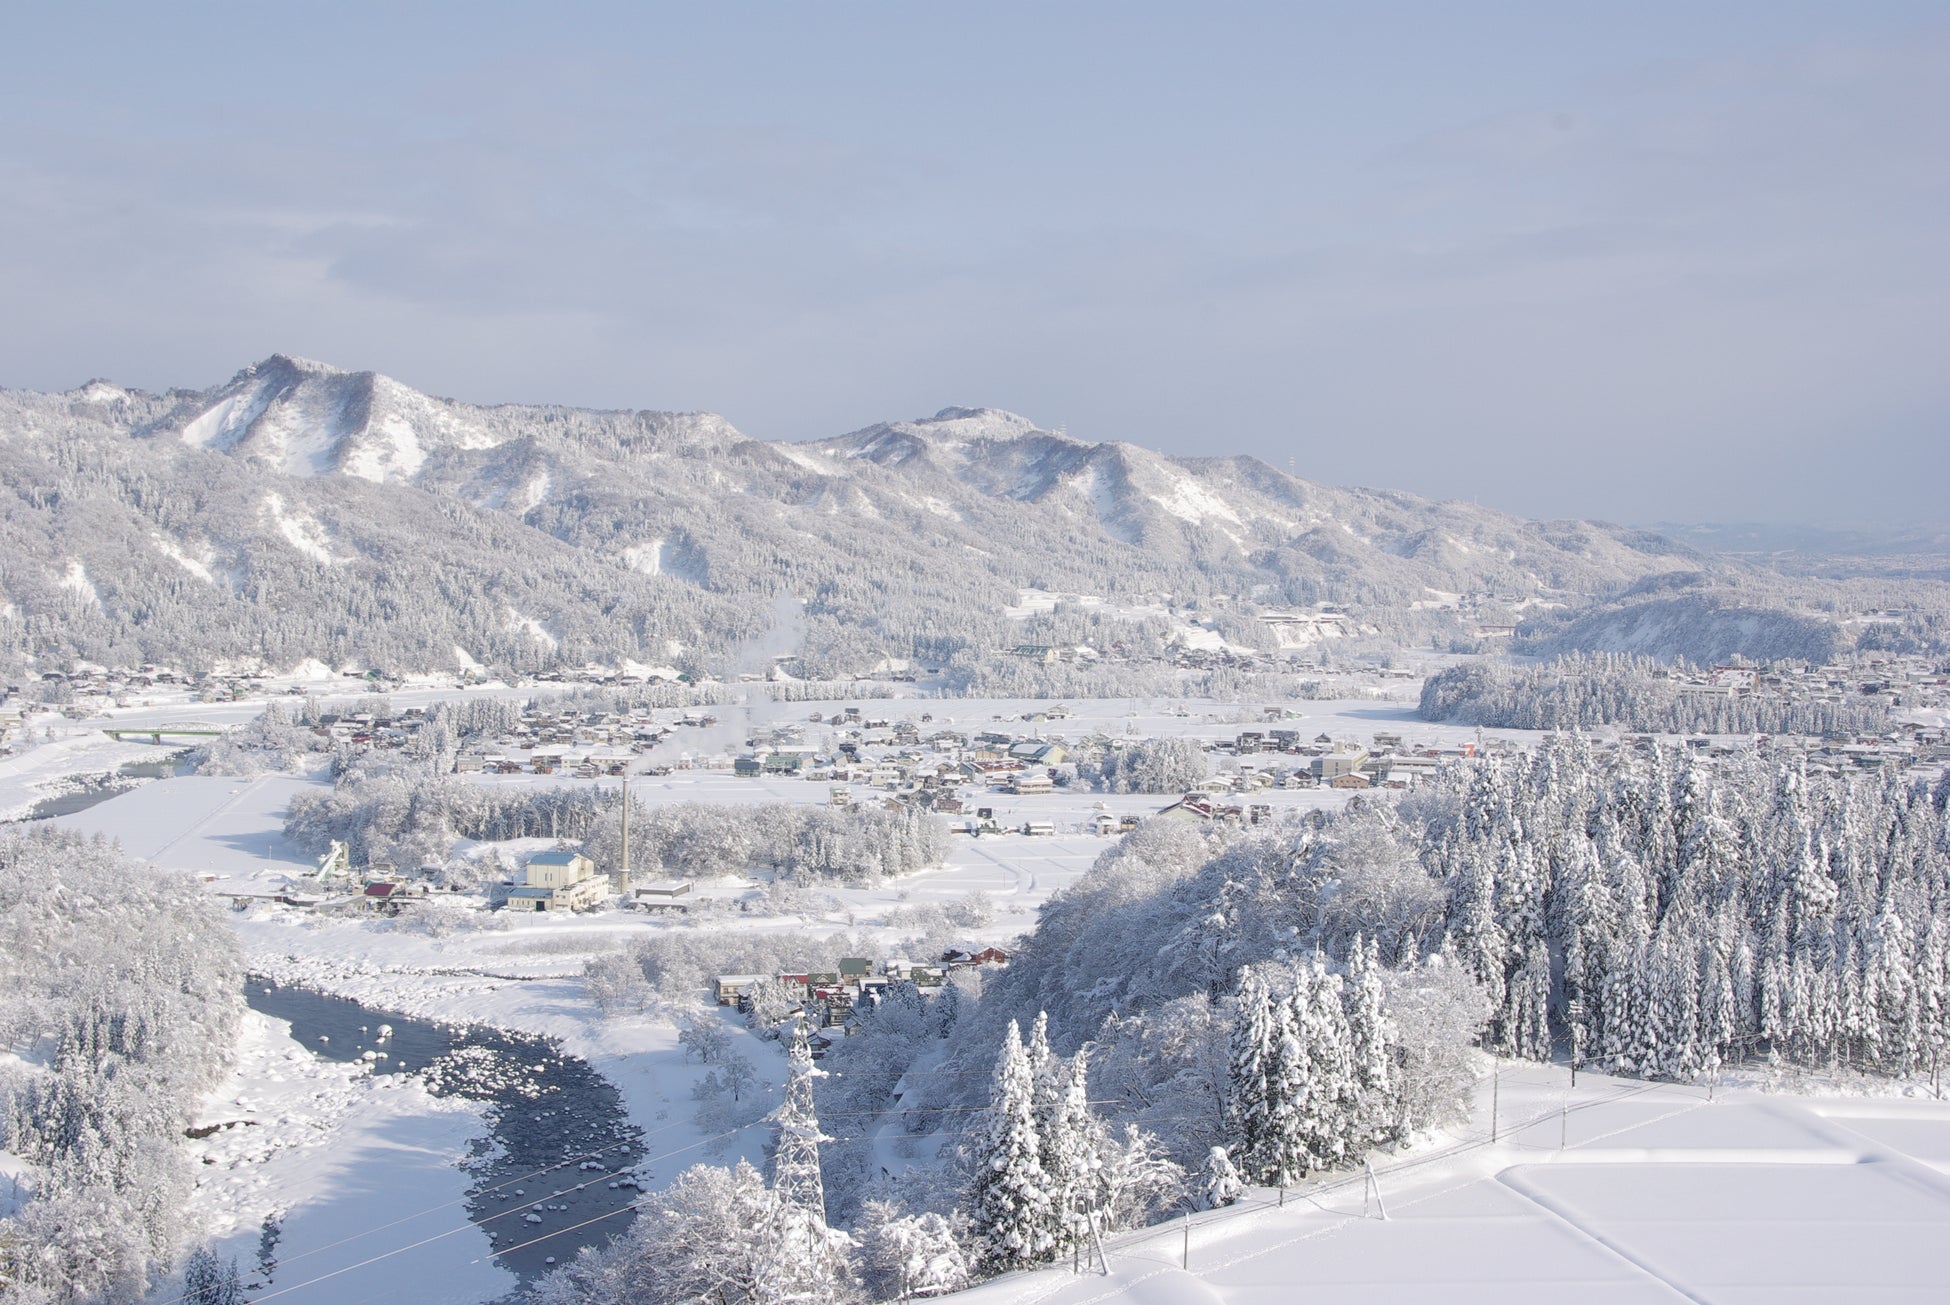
[1633,693]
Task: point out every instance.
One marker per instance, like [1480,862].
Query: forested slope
[120,993]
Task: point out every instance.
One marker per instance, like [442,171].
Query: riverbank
[316,1176]
[525,981]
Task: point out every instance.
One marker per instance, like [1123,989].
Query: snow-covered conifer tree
[1249,1089]
[1073,1143]
[1328,1114]
[1367,1042]
[1009,1198]
[1220,1184]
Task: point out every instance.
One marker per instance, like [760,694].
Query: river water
[556,1172]
[91,790]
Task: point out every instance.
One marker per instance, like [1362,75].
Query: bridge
[195,729]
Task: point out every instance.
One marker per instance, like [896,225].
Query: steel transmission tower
[795,1152]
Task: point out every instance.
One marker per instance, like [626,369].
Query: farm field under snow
[1617,1191]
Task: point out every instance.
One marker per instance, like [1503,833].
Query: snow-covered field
[1617,1191]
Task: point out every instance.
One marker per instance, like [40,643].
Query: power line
[487,1191]
[463,1227]
[622,1140]
[636,1206]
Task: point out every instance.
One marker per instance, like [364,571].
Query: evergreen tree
[1009,1199]
[1289,1083]
[206,1281]
[1249,1096]
[1072,1153]
[1328,1117]
[1368,1037]
[1221,1184]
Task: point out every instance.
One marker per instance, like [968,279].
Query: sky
[1641,262]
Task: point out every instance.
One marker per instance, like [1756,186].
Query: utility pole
[1577,1036]
[1496,1093]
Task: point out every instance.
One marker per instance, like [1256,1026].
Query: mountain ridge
[658,530]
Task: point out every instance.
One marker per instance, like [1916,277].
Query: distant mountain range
[302,511]
[1892,551]
[1751,537]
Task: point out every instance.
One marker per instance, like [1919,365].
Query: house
[1031,782]
[1202,807]
[559,880]
[1039,828]
[663,894]
[957,956]
[798,986]
[384,896]
[1345,759]
[988,771]
[1036,752]
[732,986]
[1192,807]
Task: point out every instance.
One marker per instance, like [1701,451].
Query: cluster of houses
[85,692]
[1896,680]
[567,741]
[826,999]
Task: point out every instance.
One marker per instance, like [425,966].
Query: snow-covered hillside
[298,510]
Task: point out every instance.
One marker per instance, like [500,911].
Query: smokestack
[623,872]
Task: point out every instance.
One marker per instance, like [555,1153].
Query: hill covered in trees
[120,994]
[1633,693]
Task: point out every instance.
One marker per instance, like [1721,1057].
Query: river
[90,790]
[555,1173]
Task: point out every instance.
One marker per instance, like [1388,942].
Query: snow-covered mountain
[299,510]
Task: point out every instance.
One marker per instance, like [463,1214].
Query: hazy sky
[1639,261]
